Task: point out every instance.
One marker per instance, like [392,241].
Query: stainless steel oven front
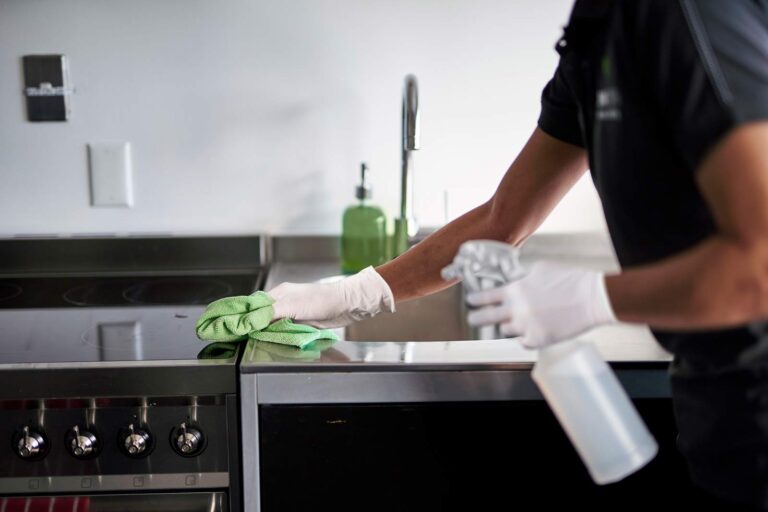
[120,452]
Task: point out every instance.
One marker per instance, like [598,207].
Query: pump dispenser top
[364,189]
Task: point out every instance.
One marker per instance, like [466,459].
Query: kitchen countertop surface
[624,345]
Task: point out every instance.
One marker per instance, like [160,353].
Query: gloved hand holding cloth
[337,304]
[317,307]
[244,317]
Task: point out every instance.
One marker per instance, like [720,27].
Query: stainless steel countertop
[622,345]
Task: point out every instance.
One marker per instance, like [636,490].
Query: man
[666,102]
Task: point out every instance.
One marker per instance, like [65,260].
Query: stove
[106,394]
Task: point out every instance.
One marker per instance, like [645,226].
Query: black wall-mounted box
[46,87]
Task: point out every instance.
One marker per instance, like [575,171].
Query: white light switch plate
[111,175]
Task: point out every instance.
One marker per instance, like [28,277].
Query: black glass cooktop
[37,292]
[95,319]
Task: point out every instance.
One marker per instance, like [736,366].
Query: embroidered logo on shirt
[608,100]
[608,104]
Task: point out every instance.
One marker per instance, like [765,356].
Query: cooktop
[141,290]
[85,319]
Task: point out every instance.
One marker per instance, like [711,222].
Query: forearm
[720,282]
[542,173]
[417,271]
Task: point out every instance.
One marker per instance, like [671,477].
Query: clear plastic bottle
[594,410]
[363,231]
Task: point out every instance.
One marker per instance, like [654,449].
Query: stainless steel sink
[438,317]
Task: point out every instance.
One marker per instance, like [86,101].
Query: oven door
[165,502]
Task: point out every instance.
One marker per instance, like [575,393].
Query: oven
[107,399]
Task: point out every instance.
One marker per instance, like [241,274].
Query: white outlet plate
[111,174]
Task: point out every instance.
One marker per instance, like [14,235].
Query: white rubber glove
[550,303]
[329,305]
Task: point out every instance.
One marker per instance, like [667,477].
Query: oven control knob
[137,441]
[30,444]
[82,443]
[188,439]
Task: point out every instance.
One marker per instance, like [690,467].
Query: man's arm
[723,281]
[542,173]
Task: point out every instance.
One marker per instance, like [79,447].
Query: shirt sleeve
[706,63]
[559,115]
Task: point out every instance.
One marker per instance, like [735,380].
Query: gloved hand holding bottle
[549,303]
[337,304]
[542,304]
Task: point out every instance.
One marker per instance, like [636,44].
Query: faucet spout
[405,225]
[411,114]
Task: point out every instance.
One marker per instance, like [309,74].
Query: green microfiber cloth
[249,316]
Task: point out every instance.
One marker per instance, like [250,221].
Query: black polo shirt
[648,87]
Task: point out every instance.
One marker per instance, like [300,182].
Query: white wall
[252,115]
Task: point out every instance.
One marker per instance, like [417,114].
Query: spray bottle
[580,388]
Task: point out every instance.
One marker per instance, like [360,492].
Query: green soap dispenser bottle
[363,231]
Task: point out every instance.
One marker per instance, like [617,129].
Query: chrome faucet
[405,224]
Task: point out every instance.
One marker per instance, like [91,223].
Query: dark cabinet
[450,456]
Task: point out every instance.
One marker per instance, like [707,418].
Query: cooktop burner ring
[97,294]
[9,291]
[170,291]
